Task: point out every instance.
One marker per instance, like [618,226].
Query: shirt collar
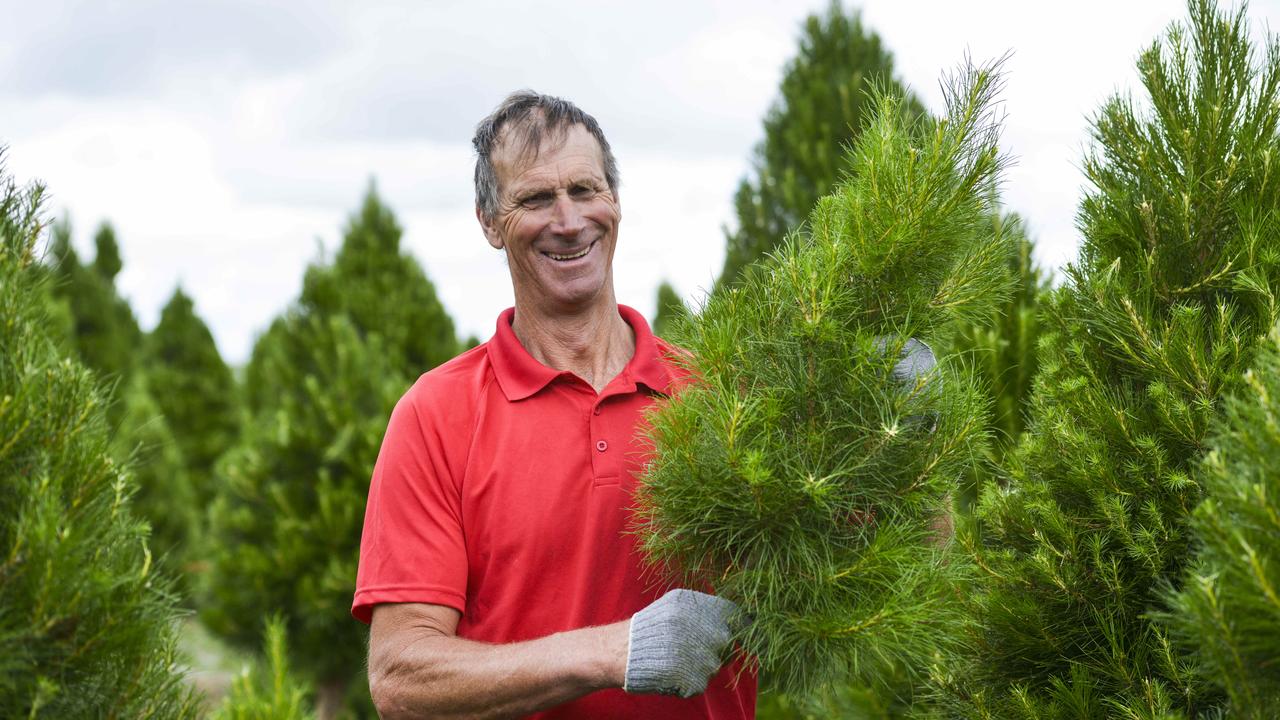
[520,375]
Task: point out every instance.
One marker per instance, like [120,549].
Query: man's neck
[595,344]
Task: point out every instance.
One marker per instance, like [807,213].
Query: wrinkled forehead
[522,145]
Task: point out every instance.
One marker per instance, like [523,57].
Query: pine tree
[822,106]
[1228,611]
[285,528]
[193,389]
[801,475]
[1176,282]
[86,623]
[671,309]
[165,496]
[106,261]
[105,333]
[383,291]
[269,691]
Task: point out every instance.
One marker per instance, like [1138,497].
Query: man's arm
[418,667]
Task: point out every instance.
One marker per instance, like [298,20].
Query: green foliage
[383,291]
[105,333]
[799,478]
[86,623]
[1228,611]
[1001,352]
[284,530]
[670,310]
[1176,281]
[1003,348]
[823,104]
[193,388]
[164,497]
[270,691]
[106,260]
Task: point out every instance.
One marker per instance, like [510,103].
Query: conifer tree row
[801,474]
[1176,281]
[284,530]
[86,621]
[1228,612]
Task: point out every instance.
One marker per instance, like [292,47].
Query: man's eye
[538,200]
[579,191]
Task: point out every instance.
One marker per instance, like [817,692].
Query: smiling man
[496,567]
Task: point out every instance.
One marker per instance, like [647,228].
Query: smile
[574,256]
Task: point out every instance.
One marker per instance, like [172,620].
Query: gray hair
[531,116]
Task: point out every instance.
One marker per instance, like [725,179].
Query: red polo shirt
[503,489]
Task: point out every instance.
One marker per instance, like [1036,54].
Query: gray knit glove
[676,643]
[916,360]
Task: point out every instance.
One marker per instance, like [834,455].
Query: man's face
[557,220]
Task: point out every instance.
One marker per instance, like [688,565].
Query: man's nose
[567,217]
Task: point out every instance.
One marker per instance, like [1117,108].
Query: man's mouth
[571,256]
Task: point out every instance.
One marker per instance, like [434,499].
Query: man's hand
[677,643]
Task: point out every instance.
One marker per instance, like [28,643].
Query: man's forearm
[434,675]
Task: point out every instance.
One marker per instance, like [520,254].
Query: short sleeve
[412,547]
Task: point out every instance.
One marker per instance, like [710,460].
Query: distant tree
[106,260]
[193,388]
[105,333]
[382,290]
[670,309]
[165,494]
[822,107]
[86,621]
[284,530]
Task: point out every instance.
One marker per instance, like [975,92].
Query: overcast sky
[228,141]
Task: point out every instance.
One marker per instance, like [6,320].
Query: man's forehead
[521,148]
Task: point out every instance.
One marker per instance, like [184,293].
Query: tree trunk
[329,698]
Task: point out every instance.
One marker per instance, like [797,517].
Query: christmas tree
[284,530]
[86,621]
[193,389]
[105,333]
[671,309]
[802,474]
[165,496]
[824,102]
[1176,282]
[1228,612]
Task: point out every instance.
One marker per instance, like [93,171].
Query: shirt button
[596,411]
[602,445]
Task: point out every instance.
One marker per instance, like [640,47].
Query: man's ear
[490,230]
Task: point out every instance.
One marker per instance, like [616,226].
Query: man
[496,567]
